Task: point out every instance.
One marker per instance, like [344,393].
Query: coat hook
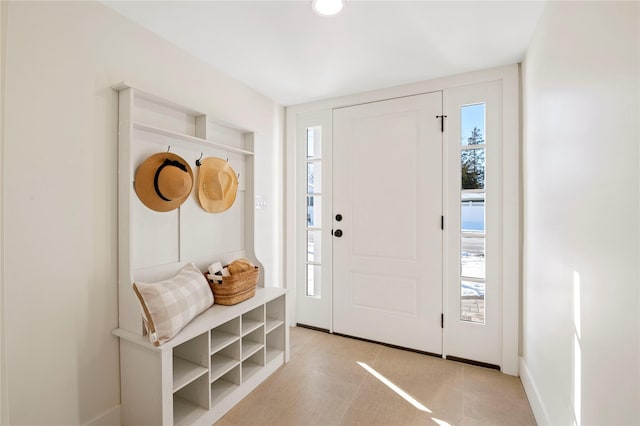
[238,176]
[169,148]
[198,162]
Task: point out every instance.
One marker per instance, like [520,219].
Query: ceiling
[285,51]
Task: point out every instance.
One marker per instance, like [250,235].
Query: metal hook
[169,148]
[238,176]
[198,162]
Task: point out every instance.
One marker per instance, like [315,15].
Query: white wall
[580,361]
[59,186]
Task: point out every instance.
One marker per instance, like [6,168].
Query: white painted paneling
[581,337]
[154,114]
[205,233]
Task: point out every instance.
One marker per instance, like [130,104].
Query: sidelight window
[314,211]
[472,213]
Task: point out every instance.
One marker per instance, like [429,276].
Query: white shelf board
[273,354]
[249,348]
[188,138]
[220,365]
[249,325]
[272,324]
[220,389]
[221,339]
[211,318]
[142,94]
[185,372]
[186,412]
[249,369]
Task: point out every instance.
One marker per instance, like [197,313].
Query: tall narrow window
[472,213]
[314,211]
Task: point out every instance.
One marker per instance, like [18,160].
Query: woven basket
[235,288]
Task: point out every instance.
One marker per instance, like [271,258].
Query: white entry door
[387,208]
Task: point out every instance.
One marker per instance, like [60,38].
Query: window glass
[472,263]
[314,177]
[472,120]
[472,301]
[313,142]
[314,211]
[472,212]
[313,280]
[472,168]
[314,241]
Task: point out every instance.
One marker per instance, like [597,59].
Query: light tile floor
[324,384]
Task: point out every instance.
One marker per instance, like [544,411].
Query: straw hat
[163,181]
[217,185]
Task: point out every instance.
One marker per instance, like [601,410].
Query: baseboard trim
[108,418]
[535,401]
[389,345]
[313,327]
[473,362]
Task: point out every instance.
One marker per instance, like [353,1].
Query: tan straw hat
[163,181]
[217,185]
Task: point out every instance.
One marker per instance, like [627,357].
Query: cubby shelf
[250,369]
[249,325]
[272,324]
[249,348]
[186,412]
[185,372]
[221,389]
[188,138]
[220,340]
[273,354]
[220,365]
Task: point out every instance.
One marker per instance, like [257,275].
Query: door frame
[510,201]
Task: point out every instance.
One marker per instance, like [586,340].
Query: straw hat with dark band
[217,185]
[163,181]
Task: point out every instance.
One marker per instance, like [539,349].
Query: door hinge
[441,320]
[441,117]
[442,222]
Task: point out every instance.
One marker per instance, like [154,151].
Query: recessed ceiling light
[327,7]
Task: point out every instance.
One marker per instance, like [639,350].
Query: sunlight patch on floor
[411,400]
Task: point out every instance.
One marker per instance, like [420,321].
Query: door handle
[338,233]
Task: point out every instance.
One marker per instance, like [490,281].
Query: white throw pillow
[171,304]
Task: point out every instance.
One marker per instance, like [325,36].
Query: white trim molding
[535,401]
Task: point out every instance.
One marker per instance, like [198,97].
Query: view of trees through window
[473,162]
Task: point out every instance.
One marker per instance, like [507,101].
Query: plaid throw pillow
[171,304]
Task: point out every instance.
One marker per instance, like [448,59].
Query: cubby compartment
[190,361]
[275,343]
[253,342]
[252,320]
[224,386]
[191,401]
[252,365]
[225,360]
[225,334]
[275,314]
